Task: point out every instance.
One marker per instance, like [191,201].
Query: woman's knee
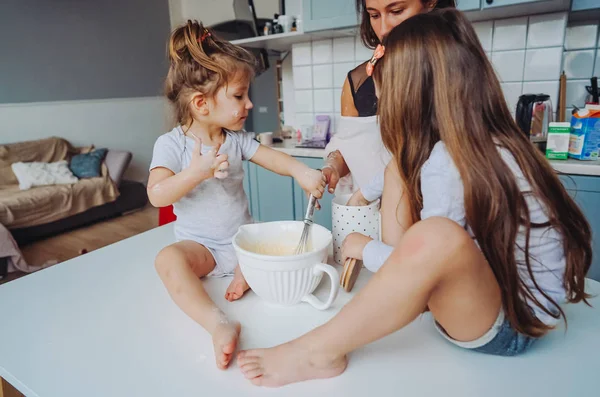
[438,237]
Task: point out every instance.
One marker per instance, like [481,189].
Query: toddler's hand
[353,246]
[210,164]
[312,181]
[357,200]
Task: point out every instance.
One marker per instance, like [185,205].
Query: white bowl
[265,252]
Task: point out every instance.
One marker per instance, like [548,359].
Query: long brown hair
[201,62]
[367,34]
[436,83]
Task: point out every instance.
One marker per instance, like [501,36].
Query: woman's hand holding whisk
[312,181]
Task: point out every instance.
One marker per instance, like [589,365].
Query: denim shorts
[500,340]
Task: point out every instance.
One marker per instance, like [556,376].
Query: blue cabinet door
[586,192]
[329,14]
[322,216]
[272,195]
[503,3]
[247,187]
[580,5]
[468,5]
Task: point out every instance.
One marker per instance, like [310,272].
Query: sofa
[43,211]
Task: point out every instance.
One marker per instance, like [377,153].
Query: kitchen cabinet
[274,197]
[330,14]
[504,3]
[247,189]
[271,195]
[322,216]
[581,5]
[586,192]
[469,5]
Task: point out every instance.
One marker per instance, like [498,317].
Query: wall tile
[512,91]
[509,65]
[301,54]
[547,30]
[304,101]
[510,34]
[304,119]
[579,64]
[362,53]
[543,64]
[323,101]
[485,32]
[322,51]
[343,49]
[568,115]
[337,103]
[340,71]
[543,87]
[597,68]
[576,92]
[302,77]
[581,36]
[323,76]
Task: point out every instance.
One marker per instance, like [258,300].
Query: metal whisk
[308,221]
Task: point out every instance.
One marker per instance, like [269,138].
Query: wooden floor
[69,245]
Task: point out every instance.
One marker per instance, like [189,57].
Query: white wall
[131,124]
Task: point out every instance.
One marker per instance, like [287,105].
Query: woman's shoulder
[357,76]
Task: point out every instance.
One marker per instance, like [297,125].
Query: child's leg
[237,287]
[436,263]
[180,267]
[395,209]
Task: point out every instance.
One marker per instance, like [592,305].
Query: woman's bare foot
[288,363]
[225,339]
[237,287]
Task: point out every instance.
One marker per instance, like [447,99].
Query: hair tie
[205,34]
[377,55]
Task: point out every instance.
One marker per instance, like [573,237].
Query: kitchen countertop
[577,167]
[571,166]
[289,146]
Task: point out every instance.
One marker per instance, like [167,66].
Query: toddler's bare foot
[225,339]
[288,363]
[237,287]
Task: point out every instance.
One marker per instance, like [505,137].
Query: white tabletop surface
[103,325]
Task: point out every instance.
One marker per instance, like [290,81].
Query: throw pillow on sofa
[88,165]
[41,174]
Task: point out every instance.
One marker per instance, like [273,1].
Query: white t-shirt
[443,196]
[212,212]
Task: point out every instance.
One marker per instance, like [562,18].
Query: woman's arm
[395,221]
[396,217]
[348,108]
[281,163]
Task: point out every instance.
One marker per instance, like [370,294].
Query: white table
[103,325]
